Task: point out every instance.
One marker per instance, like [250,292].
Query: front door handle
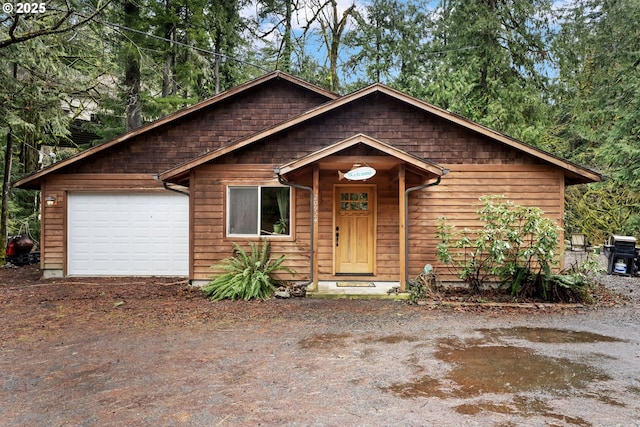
[337,236]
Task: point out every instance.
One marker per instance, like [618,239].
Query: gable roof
[420,164]
[35,178]
[573,172]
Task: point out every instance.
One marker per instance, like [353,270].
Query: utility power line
[153,36]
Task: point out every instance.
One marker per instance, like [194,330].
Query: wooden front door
[355,230]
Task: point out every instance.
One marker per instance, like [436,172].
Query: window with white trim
[258,211]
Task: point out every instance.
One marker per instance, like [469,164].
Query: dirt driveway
[89,352]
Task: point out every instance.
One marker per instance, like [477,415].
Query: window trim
[259,235]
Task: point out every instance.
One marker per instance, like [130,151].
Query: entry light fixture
[51,200]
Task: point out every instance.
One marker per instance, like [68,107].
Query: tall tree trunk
[6,186]
[132,70]
[6,182]
[288,44]
[132,81]
[216,61]
[168,74]
[489,39]
[28,154]
[332,30]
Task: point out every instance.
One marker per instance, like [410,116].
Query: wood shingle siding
[194,135]
[423,135]
[334,121]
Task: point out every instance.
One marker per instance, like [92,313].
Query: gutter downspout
[312,234]
[406,219]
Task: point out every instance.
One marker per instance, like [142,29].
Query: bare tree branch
[57,27]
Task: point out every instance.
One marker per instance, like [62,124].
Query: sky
[313,44]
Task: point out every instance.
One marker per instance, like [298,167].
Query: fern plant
[247,275]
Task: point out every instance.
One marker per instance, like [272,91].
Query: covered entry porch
[359,233]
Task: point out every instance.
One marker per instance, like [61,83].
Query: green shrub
[577,283]
[417,290]
[469,260]
[568,288]
[517,247]
[246,275]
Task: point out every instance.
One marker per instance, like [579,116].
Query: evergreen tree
[45,78]
[392,39]
[489,61]
[486,60]
[183,51]
[599,86]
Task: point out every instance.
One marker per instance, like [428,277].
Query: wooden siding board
[209,185]
[458,201]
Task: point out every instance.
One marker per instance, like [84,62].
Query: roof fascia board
[171,117]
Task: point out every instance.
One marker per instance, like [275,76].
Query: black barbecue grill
[622,255]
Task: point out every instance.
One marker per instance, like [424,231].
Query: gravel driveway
[89,353]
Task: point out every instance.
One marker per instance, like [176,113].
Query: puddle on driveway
[393,339]
[548,335]
[478,369]
[328,341]
[521,406]
[324,341]
[489,366]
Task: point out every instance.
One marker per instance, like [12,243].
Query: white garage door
[128,234]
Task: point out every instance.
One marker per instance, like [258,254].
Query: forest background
[560,75]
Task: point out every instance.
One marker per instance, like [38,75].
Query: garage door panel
[128,234]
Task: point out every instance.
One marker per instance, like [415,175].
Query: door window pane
[354,201]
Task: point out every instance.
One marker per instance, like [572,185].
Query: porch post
[402,227]
[314,221]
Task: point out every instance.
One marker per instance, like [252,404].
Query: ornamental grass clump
[247,275]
